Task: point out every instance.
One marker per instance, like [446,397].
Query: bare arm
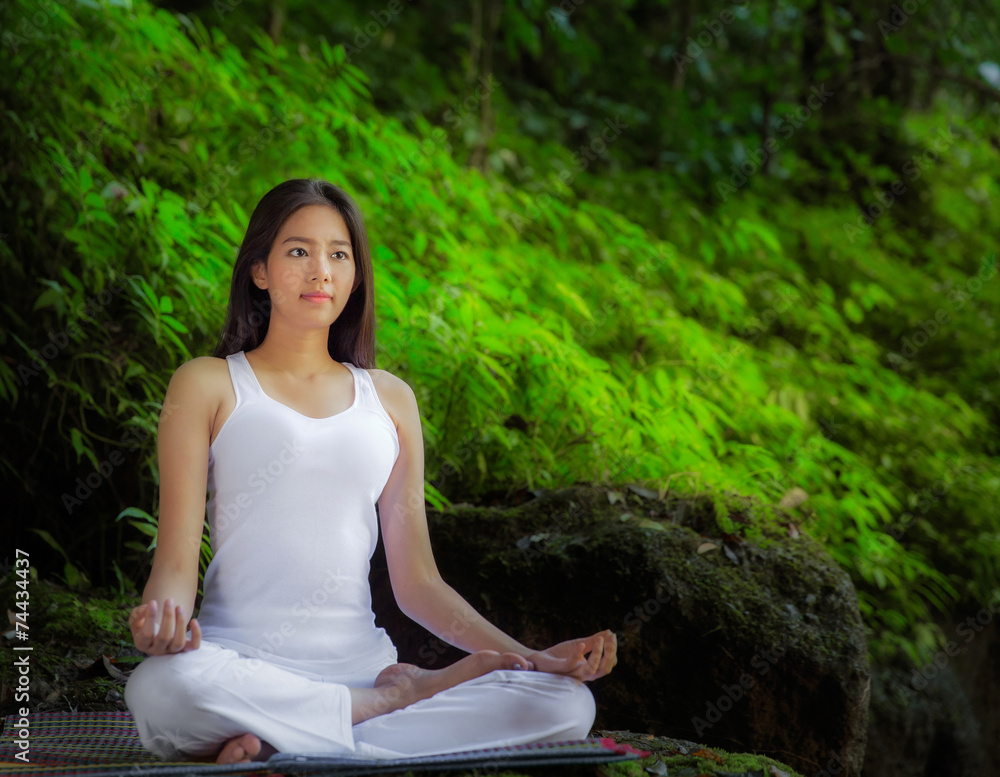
[420,591]
[182,452]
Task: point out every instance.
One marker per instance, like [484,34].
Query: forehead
[316,221]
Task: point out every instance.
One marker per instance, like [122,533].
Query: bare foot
[240,749]
[395,672]
[400,685]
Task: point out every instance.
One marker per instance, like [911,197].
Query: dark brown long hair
[352,335]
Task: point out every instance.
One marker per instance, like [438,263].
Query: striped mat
[106,744]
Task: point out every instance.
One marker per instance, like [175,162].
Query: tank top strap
[244,382]
[368,396]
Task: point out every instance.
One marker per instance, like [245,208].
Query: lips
[316,296]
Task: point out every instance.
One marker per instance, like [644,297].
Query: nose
[322,272]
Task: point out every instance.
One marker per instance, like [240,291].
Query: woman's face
[312,255]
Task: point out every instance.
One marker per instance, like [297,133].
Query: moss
[681,757]
[70,632]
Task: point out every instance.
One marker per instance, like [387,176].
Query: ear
[257,275]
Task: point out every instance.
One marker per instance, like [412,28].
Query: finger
[195,633]
[166,625]
[144,628]
[595,658]
[610,654]
[153,624]
[177,643]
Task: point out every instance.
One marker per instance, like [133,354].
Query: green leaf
[72,280]
[53,298]
[174,324]
[135,512]
[853,311]
[50,540]
[81,447]
[86,182]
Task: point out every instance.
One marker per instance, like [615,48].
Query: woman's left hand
[570,657]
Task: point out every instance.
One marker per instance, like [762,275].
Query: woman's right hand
[157,635]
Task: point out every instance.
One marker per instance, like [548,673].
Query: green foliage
[609,327]
[74,579]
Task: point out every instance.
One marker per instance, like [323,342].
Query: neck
[303,356]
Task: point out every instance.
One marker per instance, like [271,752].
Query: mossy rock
[749,646]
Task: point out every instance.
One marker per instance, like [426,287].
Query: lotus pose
[294,437]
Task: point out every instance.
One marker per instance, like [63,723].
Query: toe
[511,661]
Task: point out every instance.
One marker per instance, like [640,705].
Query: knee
[565,703]
[161,700]
[579,711]
[156,686]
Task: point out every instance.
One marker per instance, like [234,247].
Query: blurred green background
[744,250]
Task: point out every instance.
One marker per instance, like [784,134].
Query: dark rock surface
[755,648]
[922,723]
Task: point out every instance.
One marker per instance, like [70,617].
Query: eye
[346,255]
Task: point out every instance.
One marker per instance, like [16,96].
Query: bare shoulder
[395,395]
[201,379]
[203,371]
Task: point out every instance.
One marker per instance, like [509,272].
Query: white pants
[189,704]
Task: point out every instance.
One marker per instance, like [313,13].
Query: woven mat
[106,744]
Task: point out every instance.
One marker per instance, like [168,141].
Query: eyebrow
[311,242]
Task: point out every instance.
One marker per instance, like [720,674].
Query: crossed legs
[210,704]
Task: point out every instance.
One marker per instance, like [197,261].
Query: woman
[296,439]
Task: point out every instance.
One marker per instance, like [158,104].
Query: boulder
[746,646]
[921,723]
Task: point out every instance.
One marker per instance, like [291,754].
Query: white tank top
[291,511]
